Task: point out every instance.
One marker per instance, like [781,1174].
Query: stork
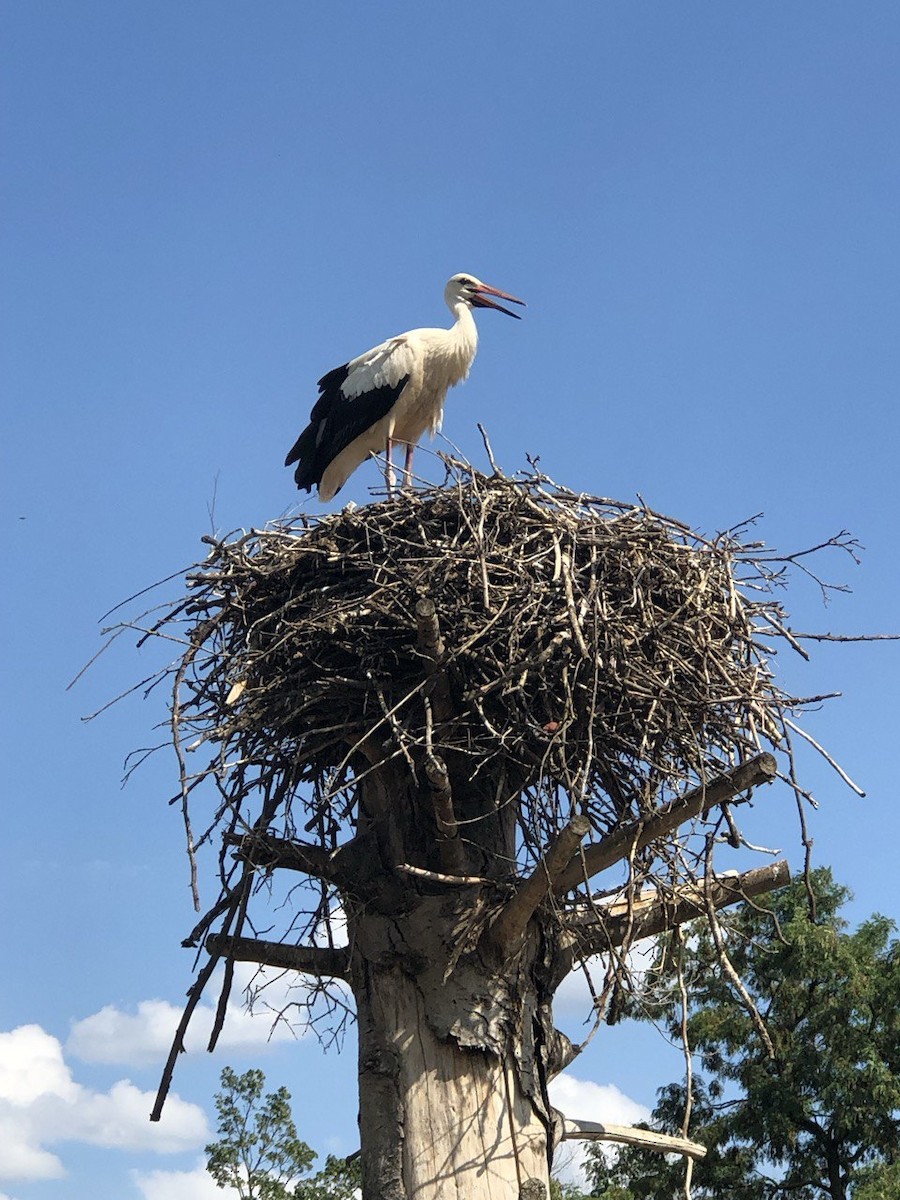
[392,393]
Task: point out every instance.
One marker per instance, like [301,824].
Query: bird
[390,394]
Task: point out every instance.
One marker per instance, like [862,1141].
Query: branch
[438,707]
[177,1047]
[311,960]
[265,850]
[442,877]
[508,927]
[431,645]
[450,847]
[654,912]
[638,834]
[627,1135]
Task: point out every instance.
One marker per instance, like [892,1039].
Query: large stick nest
[598,653]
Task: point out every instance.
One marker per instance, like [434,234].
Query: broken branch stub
[628,1135]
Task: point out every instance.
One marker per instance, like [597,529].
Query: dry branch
[195,994]
[631,838]
[265,850]
[311,960]
[655,911]
[627,1135]
[450,848]
[507,929]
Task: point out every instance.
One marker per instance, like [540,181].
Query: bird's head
[469,290]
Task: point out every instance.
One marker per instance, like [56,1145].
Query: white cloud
[41,1105]
[21,1154]
[120,1118]
[114,1036]
[31,1065]
[179,1185]
[583,1100]
[144,1036]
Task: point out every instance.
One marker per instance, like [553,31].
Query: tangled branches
[495,684]
[593,656]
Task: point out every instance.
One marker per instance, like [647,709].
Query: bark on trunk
[454,1031]
[437,1121]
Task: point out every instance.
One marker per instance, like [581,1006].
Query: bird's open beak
[481,299]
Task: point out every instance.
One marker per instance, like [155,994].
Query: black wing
[335,422]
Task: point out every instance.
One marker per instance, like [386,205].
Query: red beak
[481,300]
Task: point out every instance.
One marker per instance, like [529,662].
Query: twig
[715,929]
[821,749]
[440,877]
[844,637]
[488,450]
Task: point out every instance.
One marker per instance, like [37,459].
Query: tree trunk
[455,1034]
[437,1121]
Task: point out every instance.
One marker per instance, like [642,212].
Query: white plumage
[392,393]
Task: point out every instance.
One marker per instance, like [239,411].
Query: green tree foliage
[820,1120]
[258,1151]
[879,1183]
[566,1191]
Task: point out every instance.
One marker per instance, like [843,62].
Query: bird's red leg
[389,477]
[407,465]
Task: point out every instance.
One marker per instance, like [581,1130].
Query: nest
[596,655]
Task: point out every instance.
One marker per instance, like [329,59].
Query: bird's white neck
[464,334]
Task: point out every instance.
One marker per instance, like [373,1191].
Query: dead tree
[495,730]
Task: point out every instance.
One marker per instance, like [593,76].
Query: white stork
[392,393]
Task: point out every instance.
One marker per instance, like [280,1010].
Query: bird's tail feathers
[303,453]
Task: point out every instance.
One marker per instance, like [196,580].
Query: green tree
[258,1151]
[566,1191]
[818,1119]
[879,1183]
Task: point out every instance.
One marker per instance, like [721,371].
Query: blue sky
[206,206]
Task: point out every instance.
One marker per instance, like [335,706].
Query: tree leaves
[824,1112]
[259,1152]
